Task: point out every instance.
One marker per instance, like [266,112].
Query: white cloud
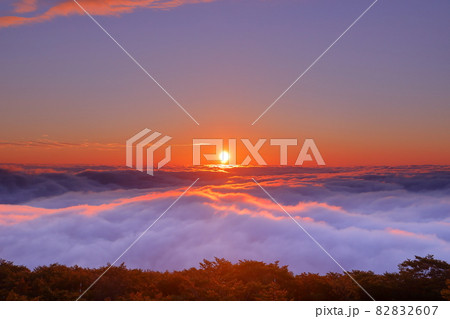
[366,221]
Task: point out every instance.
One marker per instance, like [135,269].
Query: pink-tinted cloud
[25,6]
[47,144]
[94,7]
[14,214]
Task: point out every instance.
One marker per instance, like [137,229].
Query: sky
[376,105]
[380,96]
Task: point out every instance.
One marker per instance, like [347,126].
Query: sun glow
[224,157]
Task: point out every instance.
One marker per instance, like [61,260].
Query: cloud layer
[34,11]
[367,218]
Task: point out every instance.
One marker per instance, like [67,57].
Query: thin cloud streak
[95,7]
[46,143]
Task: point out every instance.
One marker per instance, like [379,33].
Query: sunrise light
[224,157]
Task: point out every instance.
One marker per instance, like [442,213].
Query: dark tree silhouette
[446,291]
[423,278]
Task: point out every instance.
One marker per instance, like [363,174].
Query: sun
[224,157]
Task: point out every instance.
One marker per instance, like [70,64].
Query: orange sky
[70,95]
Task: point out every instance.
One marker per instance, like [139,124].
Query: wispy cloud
[34,11]
[25,6]
[47,143]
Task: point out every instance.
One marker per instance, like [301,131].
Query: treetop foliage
[422,278]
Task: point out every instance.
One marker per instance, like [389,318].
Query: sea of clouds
[367,218]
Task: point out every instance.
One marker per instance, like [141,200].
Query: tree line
[421,278]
